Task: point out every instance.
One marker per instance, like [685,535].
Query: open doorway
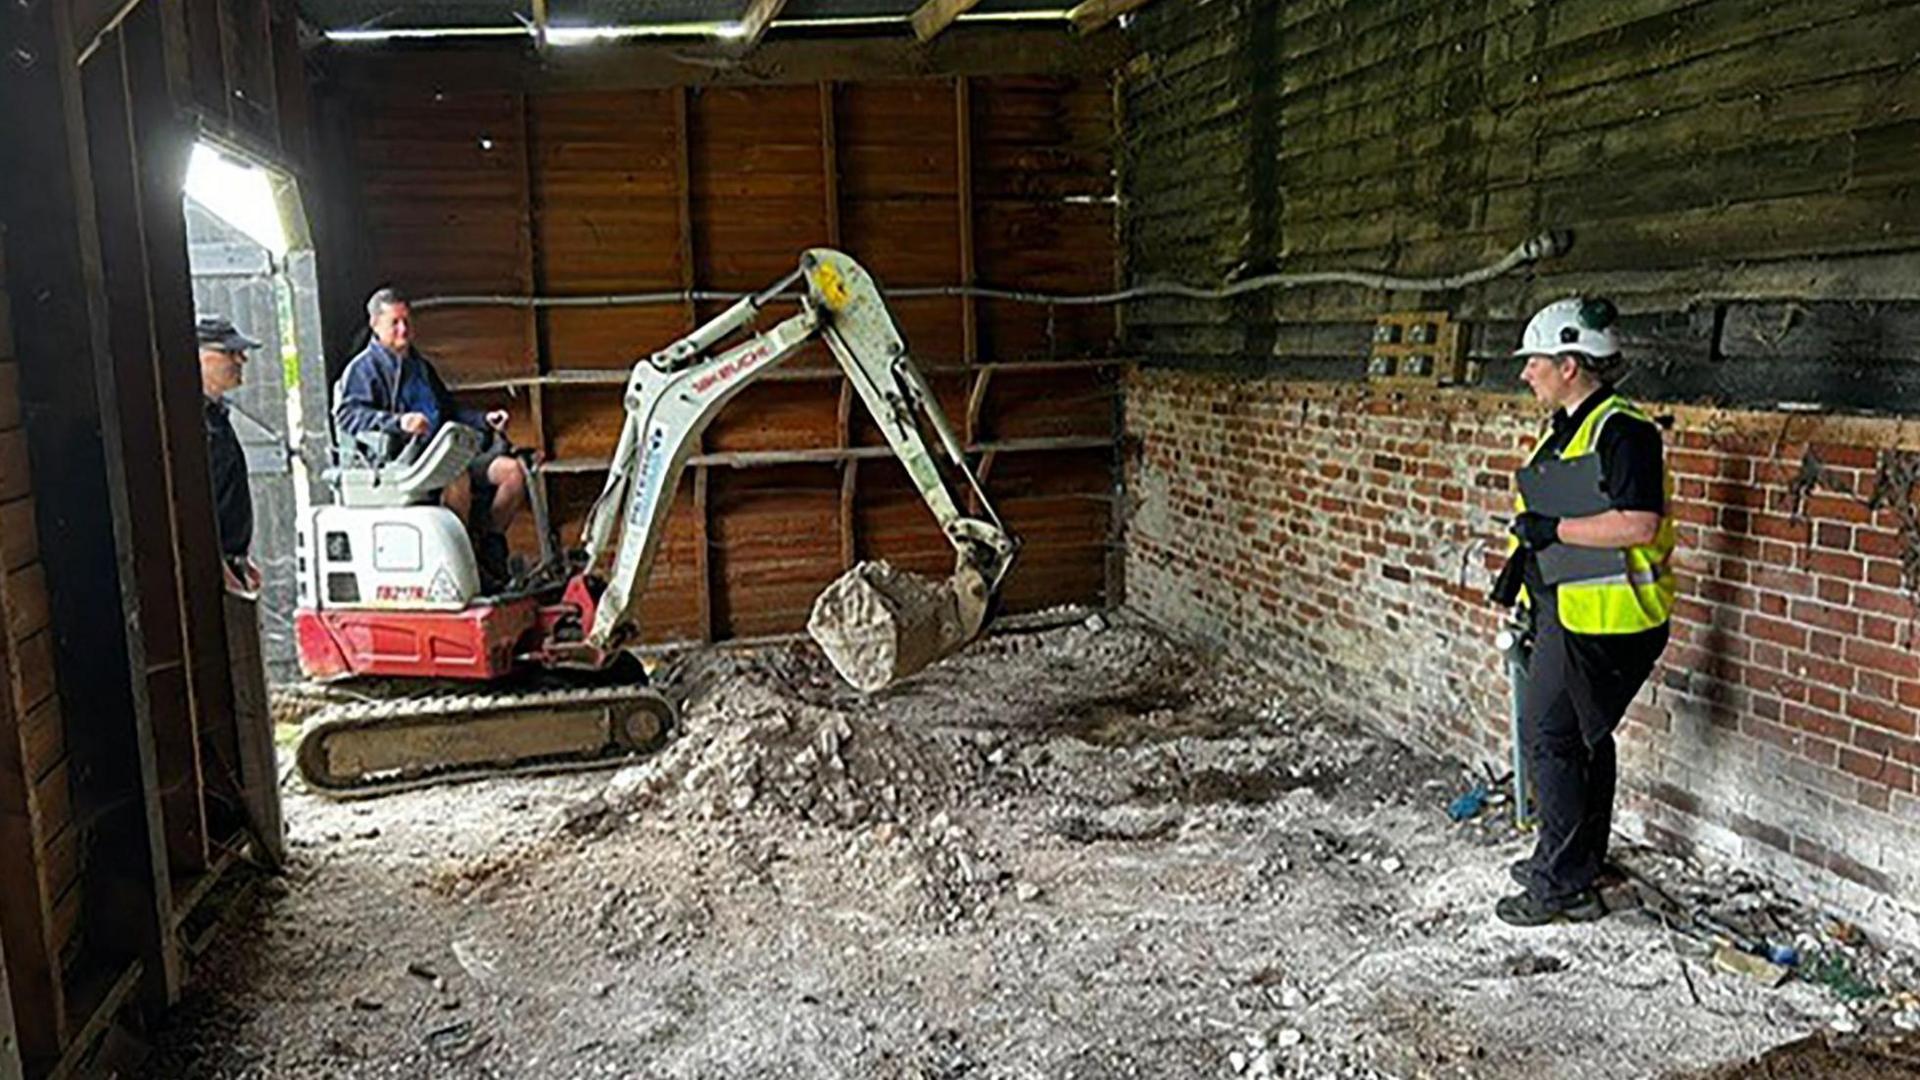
[252,261]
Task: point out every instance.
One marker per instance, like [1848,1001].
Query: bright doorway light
[240,194]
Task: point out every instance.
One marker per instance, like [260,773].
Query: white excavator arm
[673,395]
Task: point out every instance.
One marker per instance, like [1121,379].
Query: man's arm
[1611,529]
[359,404]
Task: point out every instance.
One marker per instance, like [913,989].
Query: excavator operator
[391,389]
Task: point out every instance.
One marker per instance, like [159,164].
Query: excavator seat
[371,478]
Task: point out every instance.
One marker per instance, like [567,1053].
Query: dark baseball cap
[218,332]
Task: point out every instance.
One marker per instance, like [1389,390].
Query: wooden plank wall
[39,841]
[1004,180]
[119,795]
[1717,160]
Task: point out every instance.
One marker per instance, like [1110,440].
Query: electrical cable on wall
[1533,249]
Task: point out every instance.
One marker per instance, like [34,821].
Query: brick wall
[1345,539]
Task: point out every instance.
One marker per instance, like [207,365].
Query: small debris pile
[745,745]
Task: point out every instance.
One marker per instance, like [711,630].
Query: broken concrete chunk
[878,624]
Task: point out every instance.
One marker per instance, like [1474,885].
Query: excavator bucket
[879,624]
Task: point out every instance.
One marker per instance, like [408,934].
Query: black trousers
[1578,689]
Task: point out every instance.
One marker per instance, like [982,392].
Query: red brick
[1839,456]
[1774,630]
[1814,613]
[1835,508]
[1834,592]
[1833,564]
[1779,527]
[1791,582]
[1885,601]
[1894,662]
[1870,541]
[1883,572]
[1883,630]
[1880,714]
[1879,687]
[1880,770]
[1814,722]
[1833,535]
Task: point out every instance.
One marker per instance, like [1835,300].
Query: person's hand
[253,577]
[413,423]
[497,420]
[1536,532]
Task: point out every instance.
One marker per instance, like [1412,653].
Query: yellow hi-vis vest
[1639,596]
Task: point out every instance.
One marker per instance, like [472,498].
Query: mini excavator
[539,676]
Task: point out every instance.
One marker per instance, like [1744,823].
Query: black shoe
[1524,910]
[1522,873]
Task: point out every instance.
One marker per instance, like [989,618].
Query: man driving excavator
[391,389]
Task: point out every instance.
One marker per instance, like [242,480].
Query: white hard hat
[1574,325]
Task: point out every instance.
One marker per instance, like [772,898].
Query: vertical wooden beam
[849,475]
[539,330]
[703,551]
[830,161]
[152,485]
[67,379]
[849,494]
[683,163]
[689,278]
[963,124]
[163,143]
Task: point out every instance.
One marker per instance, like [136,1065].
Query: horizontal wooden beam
[612,377]
[744,459]
[492,68]
[1091,15]
[936,15]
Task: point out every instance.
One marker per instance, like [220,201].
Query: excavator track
[362,749]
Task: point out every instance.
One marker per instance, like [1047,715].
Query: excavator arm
[673,395]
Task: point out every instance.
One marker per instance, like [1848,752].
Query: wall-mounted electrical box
[1417,348]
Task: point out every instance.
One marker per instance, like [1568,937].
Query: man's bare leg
[509,479]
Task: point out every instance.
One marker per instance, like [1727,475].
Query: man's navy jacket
[369,394]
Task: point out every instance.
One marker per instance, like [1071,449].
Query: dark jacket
[367,396]
[232,501]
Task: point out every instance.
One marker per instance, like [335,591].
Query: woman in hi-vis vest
[1595,530]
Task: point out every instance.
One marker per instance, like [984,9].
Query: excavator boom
[673,395]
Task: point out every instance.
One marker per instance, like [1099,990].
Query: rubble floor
[1088,852]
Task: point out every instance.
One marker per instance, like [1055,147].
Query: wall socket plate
[1417,348]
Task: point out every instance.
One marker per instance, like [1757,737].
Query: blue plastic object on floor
[1468,804]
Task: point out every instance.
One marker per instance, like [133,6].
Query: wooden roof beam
[1090,15]
[754,23]
[936,15]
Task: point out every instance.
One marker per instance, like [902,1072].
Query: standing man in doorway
[223,365]
[1595,529]
[391,388]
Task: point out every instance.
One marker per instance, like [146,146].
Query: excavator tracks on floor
[362,749]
